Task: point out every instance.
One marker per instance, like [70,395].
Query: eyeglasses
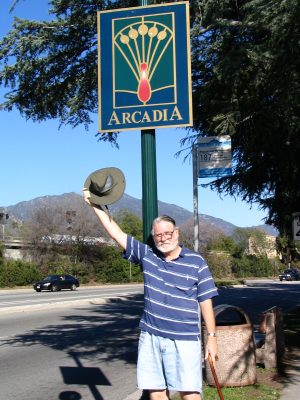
[167,235]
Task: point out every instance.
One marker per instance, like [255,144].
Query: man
[175,281]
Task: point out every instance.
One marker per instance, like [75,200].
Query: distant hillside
[23,211]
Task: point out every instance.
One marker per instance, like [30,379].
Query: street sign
[144,67]
[296,226]
[214,156]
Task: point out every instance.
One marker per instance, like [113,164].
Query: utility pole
[3,218]
[195,198]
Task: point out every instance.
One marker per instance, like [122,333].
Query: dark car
[57,282]
[290,274]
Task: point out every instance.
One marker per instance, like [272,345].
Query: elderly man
[176,281]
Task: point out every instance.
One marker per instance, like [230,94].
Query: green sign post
[149,175]
[145,80]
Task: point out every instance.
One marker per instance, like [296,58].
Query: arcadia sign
[144,67]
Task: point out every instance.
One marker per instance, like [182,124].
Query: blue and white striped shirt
[172,290]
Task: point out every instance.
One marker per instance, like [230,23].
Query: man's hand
[86,196]
[209,318]
[87,199]
[212,349]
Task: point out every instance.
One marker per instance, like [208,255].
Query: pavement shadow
[109,331]
[69,395]
[258,297]
[96,333]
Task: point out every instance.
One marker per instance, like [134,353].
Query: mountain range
[208,225]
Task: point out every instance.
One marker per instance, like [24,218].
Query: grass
[228,282]
[253,392]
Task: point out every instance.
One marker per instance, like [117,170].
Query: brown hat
[105,185]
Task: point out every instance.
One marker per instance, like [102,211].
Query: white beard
[166,248]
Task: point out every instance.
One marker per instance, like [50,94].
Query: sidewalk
[135,396]
[291,378]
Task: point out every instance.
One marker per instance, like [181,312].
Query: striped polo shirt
[172,290]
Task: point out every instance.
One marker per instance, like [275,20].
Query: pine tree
[245,70]
[246,65]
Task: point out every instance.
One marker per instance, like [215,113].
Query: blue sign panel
[144,67]
[214,156]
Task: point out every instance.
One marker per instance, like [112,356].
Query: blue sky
[39,159]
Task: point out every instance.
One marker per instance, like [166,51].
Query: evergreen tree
[50,66]
[245,70]
[246,65]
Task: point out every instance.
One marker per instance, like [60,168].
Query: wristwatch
[213,334]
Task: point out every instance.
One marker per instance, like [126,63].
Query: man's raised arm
[111,227]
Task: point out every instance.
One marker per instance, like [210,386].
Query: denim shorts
[169,364]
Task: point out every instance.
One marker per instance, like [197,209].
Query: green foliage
[227,256]
[111,267]
[222,243]
[252,266]
[251,392]
[224,266]
[228,282]
[130,223]
[18,273]
[51,66]
[288,248]
[235,245]
[246,84]
[65,266]
[220,264]
[245,72]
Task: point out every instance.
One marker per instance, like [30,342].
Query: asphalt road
[86,348]
[85,351]
[259,296]
[29,299]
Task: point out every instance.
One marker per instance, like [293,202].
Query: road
[24,299]
[82,350]
[258,296]
[86,349]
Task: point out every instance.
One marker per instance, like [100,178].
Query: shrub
[252,266]
[18,273]
[220,264]
[112,267]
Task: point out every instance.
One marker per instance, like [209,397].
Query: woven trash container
[236,365]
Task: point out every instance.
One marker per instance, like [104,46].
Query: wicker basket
[236,365]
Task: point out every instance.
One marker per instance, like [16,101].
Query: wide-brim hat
[106,186]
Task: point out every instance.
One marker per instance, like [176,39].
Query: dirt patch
[269,378]
[286,370]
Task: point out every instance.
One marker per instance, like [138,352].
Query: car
[55,283]
[290,274]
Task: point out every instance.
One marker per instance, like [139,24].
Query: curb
[42,306]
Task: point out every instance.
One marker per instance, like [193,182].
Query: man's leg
[190,396]
[159,394]
[150,372]
[182,366]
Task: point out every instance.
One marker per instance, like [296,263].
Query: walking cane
[215,377]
